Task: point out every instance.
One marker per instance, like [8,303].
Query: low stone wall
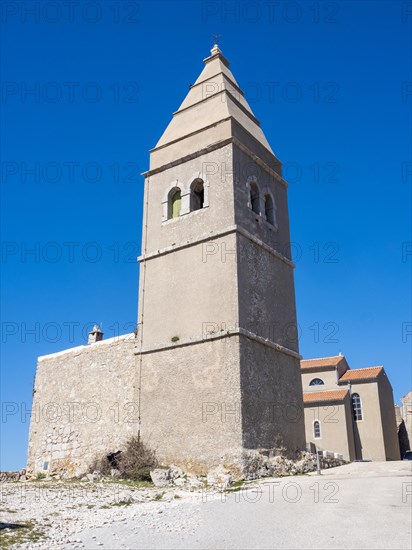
[254,465]
[326,463]
[277,462]
[84,405]
[13,476]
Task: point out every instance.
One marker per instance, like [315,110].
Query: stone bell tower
[217,356]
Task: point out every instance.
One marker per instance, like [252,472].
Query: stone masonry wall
[84,404]
[192,398]
[188,395]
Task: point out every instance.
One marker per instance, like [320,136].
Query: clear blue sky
[326,81]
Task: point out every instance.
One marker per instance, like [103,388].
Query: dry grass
[134,462]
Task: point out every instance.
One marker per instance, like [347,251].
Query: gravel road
[361,505]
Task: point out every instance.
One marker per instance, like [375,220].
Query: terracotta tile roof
[324,362]
[333,395]
[361,374]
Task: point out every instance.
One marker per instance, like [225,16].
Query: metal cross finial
[216,38]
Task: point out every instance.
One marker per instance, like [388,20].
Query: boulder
[161,477]
[195,483]
[219,476]
[175,472]
[179,482]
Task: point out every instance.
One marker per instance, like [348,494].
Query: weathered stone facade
[83,405]
[407,415]
[217,317]
[404,423]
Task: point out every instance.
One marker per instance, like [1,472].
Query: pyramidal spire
[214,100]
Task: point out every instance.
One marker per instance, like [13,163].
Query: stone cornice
[219,336]
[231,82]
[205,237]
[260,162]
[213,147]
[318,369]
[181,160]
[358,381]
[217,55]
[221,92]
[200,130]
[263,245]
[129,338]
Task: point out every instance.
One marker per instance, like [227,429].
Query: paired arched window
[197,195]
[174,203]
[254,198]
[262,205]
[316,382]
[316,429]
[181,199]
[269,209]
[357,407]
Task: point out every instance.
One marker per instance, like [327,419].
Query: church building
[202,381]
[213,371]
[350,412]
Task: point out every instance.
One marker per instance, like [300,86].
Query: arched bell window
[269,209]
[174,203]
[197,195]
[254,198]
[316,429]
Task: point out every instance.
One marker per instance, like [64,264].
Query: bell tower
[217,360]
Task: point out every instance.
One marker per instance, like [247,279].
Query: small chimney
[96,335]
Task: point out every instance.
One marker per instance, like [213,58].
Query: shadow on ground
[12,526]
